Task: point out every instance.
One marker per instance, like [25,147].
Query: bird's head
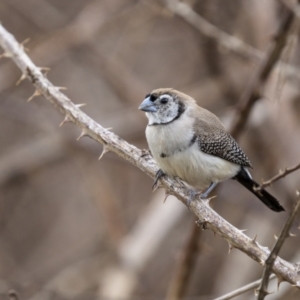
[162,106]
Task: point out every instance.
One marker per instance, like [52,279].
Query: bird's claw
[159,174]
[193,195]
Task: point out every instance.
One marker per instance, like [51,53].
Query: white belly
[191,165]
[197,168]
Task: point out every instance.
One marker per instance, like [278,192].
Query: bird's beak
[148,106]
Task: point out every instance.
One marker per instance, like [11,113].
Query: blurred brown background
[75,228]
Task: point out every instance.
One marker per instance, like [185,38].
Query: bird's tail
[245,179]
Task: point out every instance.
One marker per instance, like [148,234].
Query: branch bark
[140,158]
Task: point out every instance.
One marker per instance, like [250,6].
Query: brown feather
[211,135]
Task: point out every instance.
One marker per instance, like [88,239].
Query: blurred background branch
[63,217]
[111,142]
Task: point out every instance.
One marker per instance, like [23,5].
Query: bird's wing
[214,140]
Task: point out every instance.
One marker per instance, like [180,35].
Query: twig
[254,91]
[186,265]
[243,289]
[139,158]
[226,40]
[280,175]
[262,291]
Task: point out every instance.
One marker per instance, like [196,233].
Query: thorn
[292,234]
[279,280]
[44,70]
[230,247]
[109,128]
[5,54]
[275,237]
[83,133]
[22,45]
[65,120]
[80,105]
[243,230]
[207,200]
[297,193]
[262,262]
[35,94]
[166,196]
[254,240]
[23,77]
[61,88]
[104,151]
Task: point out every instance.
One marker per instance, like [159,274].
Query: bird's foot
[203,196]
[180,182]
[159,174]
[193,195]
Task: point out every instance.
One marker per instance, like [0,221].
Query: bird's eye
[164,100]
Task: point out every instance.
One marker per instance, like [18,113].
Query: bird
[191,144]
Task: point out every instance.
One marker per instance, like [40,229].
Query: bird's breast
[166,140]
[177,156]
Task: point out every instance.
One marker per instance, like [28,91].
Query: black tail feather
[244,178]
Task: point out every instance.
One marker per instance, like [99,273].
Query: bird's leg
[159,174]
[192,196]
[209,189]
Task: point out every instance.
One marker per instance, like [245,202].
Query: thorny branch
[280,175]
[262,291]
[140,159]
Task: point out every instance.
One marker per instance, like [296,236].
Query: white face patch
[168,109]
